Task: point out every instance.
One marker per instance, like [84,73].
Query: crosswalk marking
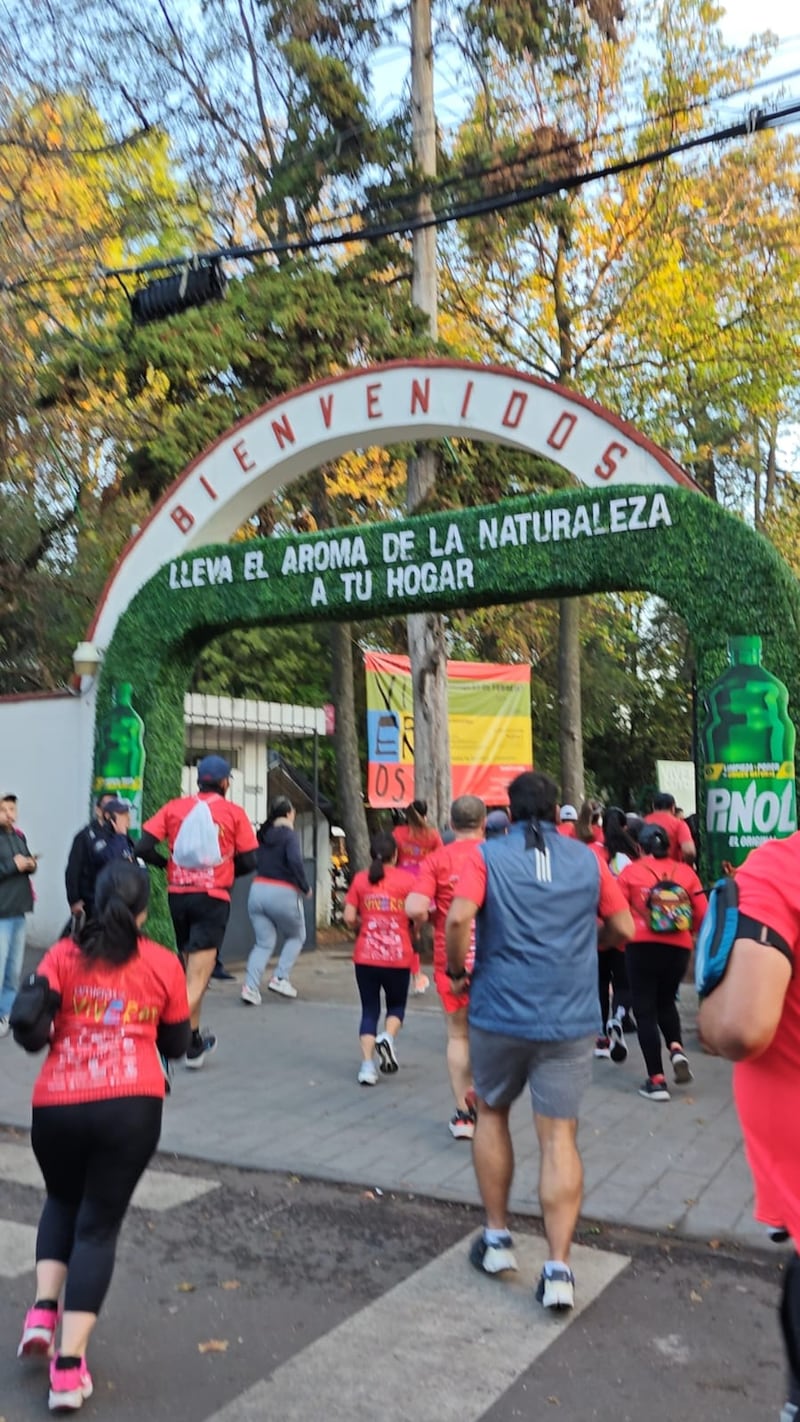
[17,1249]
[157,1190]
[479,1335]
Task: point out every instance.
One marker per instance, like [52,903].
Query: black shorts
[199,921]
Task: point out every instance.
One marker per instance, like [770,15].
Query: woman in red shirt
[106,1003]
[383,953]
[416,839]
[668,904]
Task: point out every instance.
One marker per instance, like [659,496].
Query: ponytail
[383,847]
[122,893]
[278,809]
[417,815]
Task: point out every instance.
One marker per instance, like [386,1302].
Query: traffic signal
[200,281]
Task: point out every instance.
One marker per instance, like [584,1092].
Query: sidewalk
[280,1094]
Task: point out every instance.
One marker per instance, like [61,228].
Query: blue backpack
[716,936]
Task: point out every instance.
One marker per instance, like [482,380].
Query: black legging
[790,1322]
[655,972]
[371,979]
[91,1156]
[611,972]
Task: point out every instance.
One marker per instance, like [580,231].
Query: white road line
[157,1190]
[479,1336]
[17,1249]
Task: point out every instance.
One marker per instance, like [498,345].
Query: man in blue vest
[536,898]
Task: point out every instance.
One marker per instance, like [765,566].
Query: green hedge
[721,577]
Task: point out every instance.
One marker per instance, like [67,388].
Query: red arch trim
[668,464]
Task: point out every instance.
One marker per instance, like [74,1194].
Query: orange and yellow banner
[489,713]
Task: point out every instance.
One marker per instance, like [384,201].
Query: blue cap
[212,769]
[497,822]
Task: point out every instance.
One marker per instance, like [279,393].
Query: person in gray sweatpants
[275,903]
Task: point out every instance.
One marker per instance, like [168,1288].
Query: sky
[742,19]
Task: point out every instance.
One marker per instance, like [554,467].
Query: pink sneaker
[38,1333]
[69,1387]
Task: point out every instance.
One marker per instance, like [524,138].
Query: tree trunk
[570,710]
[570,732]
[348,765]
[426,636]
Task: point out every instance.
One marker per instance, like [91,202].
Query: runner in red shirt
[383,954]
[753,1018]
[567,820]
[657,957]
[415,840]
[105,1004]
[435,883]
[681,844]
[200,899]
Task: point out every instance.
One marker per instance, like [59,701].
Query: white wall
[46,756]
[46,761]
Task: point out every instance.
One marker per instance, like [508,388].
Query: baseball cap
[568,812]
[213,768]
[497,822]
[117,806]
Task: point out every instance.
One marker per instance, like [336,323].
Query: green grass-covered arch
[719,575]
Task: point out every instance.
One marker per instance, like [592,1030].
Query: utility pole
[426,637]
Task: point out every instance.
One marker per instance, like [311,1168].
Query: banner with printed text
[489,714]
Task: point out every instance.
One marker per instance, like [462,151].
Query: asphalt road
[267,1296]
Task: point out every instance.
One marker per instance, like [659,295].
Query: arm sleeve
[172,1038]
[145,849]
[244,863]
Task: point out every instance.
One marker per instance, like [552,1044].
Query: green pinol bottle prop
[748,744]
[119,753]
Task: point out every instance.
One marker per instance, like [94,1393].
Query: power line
[756,121]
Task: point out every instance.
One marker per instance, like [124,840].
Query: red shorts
[444,987]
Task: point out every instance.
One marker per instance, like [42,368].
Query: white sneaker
[5,1027]
[368,1074]
[387,1055]
[282,986]
[556,1288]
[251,995]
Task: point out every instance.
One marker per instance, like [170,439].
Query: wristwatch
[454,975]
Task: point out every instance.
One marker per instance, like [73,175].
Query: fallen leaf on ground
[213,1345]
[713,1244]
[230,1284]
[185,1288]
[695,1297]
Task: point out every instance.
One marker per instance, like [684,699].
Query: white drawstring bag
[197,841]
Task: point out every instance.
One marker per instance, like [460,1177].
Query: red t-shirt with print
[677,831]
[413,845]
[767,1089]
[472,885]
[436,879]
[642,875]
[104,1035]
[384,934]
[236,836]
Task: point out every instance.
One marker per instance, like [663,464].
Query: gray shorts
[557,1073]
